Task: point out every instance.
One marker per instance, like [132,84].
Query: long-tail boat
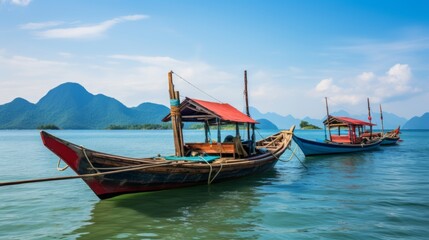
[193,163]
[352,140]
[391,137]
[388,138]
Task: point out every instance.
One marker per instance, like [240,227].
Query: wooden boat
[350,141]
[389,138]
[392,137]
[310,148]
[194,163]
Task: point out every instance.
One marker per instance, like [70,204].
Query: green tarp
[193,159]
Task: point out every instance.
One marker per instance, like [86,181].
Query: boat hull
[311,148]
[110,175]
[389,141]
[144,181]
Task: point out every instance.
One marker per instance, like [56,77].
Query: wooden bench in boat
[344,139]
[340,139]
[212,148]
[367,135]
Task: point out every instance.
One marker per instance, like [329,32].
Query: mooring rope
[86,156]
[210,179]
[296,156]
[216,174]
[292,155]
[199,89]
[58,166]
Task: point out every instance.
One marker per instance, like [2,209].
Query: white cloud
[327,85]
[394,84]
[65,54]
[143,79]
[39,25]
[18,2]
[27,66]
[164,61]
[400,74]
[89,31]
[366,77]
[377,48]
[324,85]
[150,74]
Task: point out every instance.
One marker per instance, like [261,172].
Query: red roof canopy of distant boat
[351,121]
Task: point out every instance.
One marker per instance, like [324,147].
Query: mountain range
[390,120]
[71,106]
[418,122]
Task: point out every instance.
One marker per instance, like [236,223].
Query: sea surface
[382,194]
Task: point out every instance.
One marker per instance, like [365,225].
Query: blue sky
[295,52]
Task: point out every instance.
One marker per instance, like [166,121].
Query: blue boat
[311,148]
[349,141]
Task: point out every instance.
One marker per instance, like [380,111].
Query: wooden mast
[382,124]
[176,120]
[246,97]
[328,118]
[369,118]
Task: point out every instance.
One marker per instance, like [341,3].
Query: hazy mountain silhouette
[421,122]
[390,120]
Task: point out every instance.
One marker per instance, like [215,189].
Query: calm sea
[383,194]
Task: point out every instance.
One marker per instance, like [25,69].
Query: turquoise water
[382,194]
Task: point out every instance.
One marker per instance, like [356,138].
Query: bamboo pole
[179,128]
[176,122]
[382,123]
[369,118]
[328,118]
[88,175]
[246,97]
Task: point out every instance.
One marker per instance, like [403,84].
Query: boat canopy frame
[195,110]
[351,124]
[215,114]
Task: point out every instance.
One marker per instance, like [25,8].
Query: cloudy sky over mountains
[296,52]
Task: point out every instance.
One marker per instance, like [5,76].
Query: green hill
[71,106]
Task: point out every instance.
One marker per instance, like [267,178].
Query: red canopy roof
[225,111]
[194,110]
[352,121]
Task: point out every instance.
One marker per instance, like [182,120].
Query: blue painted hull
[389,141]
[310,148]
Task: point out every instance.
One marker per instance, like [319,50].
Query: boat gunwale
[97,156]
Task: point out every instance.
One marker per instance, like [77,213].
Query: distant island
[148,126]
[306,125]
[48,127]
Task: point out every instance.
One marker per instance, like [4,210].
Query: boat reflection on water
[217,211]
[344,163]
[341,172]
